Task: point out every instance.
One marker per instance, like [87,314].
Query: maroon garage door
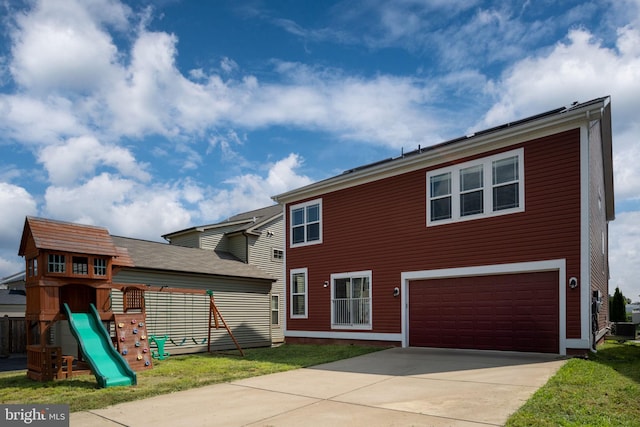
[504,312]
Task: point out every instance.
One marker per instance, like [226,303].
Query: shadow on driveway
[422,361]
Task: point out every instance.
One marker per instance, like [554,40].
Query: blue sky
[147,117]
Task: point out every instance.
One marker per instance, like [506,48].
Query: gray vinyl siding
[214,240]
[190,240]
[244,304]
[261,255]
[238,246]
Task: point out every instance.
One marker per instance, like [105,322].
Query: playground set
[69,271]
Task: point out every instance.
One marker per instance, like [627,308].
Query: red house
[496,240]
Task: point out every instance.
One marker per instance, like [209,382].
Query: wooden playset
[69,269]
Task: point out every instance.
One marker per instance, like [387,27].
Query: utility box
[626,330]
[635,316]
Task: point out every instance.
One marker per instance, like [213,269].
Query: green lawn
[173,374]
[601,391]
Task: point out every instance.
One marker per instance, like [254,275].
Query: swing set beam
[215,317]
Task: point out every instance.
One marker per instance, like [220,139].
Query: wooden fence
[13,335]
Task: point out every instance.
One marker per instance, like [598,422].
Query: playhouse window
[56,263]
[33,267]
[99,267]
[80,265]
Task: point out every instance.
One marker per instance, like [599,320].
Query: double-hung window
[351,300]
[275,310]
[298,287]
[306,223]
[480,188]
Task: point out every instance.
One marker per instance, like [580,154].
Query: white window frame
[295,271]
[277,254]
[305,224]
[275,310]
[355,274]
[487,167]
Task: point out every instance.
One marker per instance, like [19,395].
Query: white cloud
[31,120]
[61,46]
[624,252]
[17,204]
[10,265]
[80,157]
[251,191]
[579,70]
[122,205]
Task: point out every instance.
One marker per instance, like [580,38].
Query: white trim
[578,343]
[487,270]
[300,206]
[304,271]
[487,188]
[585,248]
[368,336]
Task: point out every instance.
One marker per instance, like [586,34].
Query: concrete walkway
[395,387]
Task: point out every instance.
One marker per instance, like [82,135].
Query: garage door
[516,312]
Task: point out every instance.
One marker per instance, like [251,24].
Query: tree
[617,310]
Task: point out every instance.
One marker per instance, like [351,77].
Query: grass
[603,390]
[173,374]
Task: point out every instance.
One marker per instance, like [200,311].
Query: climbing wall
[133,341]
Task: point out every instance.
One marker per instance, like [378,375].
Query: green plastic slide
[108,366]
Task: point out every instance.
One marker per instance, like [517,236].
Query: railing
[351,311]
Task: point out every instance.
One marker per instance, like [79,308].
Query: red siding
[381,226]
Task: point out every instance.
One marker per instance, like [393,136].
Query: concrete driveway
[395,387]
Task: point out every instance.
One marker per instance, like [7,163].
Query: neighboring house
[256,238]
[12,303]
[15,281]
[241,292]
[496,240]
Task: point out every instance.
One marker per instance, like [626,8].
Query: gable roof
[243,222]
[546,123]
[163,256]
[62,236]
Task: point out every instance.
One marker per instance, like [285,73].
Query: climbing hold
[135,331]
[133,321]
[141,324]
[122,338]
[142,337]
[145,350]
[137,344]
[125,351]
[120,325]
[139,357]
[147,363]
